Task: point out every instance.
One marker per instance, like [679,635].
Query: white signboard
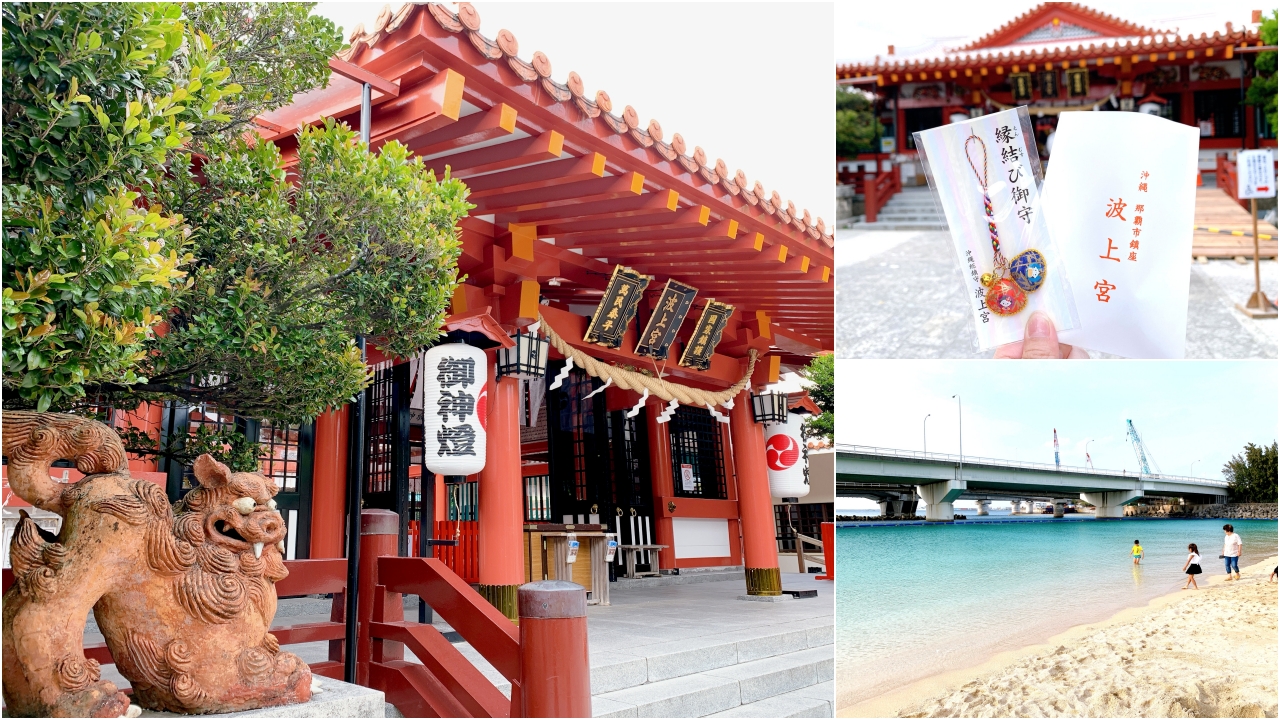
[686,477]
[1255,174]
[1119,197]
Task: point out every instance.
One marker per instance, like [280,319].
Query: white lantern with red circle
[454,408]
[784,458]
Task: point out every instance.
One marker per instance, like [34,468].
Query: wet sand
[1206,653]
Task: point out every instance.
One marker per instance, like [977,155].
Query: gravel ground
[875,269]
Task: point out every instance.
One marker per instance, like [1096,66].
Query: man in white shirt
[1231,549]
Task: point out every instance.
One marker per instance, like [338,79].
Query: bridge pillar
[984,507]
[1111,504]
[1017,507]
[1059,507]
[939,498]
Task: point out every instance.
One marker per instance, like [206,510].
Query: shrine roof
[1061,33]
[588,182]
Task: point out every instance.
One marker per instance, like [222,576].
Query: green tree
[857,129]
[1262,91]
[820,380]
[152,253]
[292,271]
[96,101]
[1251,475]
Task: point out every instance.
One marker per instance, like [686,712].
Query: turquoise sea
[913,601]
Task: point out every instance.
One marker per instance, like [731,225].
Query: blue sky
[1186,411]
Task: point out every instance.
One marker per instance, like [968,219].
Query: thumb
[1040,340]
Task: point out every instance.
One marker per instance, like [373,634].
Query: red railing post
[869,195]
[555,674]
[829,550]
[379,531]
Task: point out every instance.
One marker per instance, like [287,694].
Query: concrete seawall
[1227,511]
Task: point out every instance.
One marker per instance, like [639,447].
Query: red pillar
[555,672]
[328,485]
[660,477]
[379,535]
[755,504]
[501,512]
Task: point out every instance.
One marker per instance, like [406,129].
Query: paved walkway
[901,295]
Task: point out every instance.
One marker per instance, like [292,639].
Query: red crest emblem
[781,451]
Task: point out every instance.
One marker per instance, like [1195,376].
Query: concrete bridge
[896,478]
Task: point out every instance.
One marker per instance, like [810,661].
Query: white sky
[1184,410]
[749,83]
[864,30]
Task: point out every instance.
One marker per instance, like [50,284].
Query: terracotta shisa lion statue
[184,595]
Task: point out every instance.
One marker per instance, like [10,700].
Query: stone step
[897,226]
[613,670]
[815,701]
[721,689]
[686,577]
[904,217]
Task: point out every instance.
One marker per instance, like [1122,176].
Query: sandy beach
[1205,653]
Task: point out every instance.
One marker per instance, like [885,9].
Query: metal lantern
[769,408]
[527,358]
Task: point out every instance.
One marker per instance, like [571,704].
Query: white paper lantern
[784,457]
[455,403]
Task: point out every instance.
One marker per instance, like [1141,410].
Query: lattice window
[697,459]
[806,519]
[1222,109]
[462,500]
[577,417]
[379,430]
[632,486]
[204,416]
[537,498]
[279,458]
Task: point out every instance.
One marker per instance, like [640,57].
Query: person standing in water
[1137,553]
[1232,548]
[1192,567]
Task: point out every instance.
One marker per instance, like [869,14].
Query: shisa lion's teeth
[257,549]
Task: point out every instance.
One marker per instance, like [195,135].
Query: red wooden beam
[478,127]
[582,192]
[554,172]
[360,75]
[547,146]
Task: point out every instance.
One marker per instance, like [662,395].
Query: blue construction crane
[1138,449]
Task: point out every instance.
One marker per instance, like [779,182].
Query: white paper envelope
[1119,196]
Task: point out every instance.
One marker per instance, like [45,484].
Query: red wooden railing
[1224,174]
[464,558]
[879,188]
[446,684]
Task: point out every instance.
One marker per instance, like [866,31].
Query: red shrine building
[581,211]
[1060,57]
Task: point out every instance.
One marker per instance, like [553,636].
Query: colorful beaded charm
[1005,295]
[1027,269]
